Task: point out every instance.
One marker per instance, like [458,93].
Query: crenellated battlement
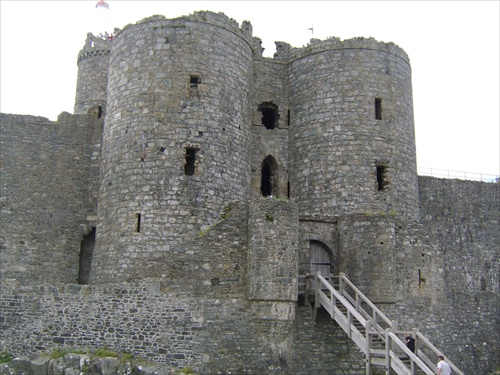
[208,17]
[286,52]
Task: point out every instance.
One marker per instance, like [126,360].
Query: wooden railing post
[368,347]
[358,302]
[316,297]
[341,283]
[387,352]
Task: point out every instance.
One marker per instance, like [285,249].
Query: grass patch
[5,356]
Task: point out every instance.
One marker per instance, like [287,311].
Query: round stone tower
[92,82]
[352,129]
[176,142]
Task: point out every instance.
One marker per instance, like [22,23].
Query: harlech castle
[210,208]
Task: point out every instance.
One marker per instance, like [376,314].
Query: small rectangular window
[190,165]
[381,177]
[138,223]
[194,81]
[378,109]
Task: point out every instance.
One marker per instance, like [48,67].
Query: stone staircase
[375,334]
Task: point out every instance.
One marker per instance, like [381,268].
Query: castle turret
[176,140]
[91,87]
[352,129]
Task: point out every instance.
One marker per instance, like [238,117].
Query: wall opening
[269,115]
[382,180]
[190,163]
[86,251]
[194,82]
[99,112]
[269,178]
[378,109]
[138,223]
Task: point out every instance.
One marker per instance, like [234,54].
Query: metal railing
[444,173]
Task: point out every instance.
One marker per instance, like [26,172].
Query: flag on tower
[102,4]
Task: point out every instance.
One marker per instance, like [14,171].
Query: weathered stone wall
[367,254]
[336,140]
[461,220]
[270,86]
[175,86]
[48,192]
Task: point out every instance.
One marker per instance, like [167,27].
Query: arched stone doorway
[320,261]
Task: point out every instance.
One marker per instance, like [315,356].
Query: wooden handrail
[342,299]
[413,358]
[375,309]
[420,337]
[371,325]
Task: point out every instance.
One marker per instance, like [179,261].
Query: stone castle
[175,212]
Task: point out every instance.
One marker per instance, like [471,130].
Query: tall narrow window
[99,112]
[378,109]
[138,223]
[86,250]
[190,164]
[268,183]
[194,81]
[381,177]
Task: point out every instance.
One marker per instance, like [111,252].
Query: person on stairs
[410,342]
[442,367]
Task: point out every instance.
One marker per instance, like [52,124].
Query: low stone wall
[80,364]
[137,318]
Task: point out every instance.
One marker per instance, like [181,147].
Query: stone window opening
[99,112]
[382,177]
[268,185]
[378,109]
[190,164]
[86,251]
[270,115]
[194,82]
[137,223]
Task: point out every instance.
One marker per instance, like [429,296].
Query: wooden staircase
[375,335]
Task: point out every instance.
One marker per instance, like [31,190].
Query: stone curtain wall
[463,220]
[47,195]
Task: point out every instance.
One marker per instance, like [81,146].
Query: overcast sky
[453,48]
